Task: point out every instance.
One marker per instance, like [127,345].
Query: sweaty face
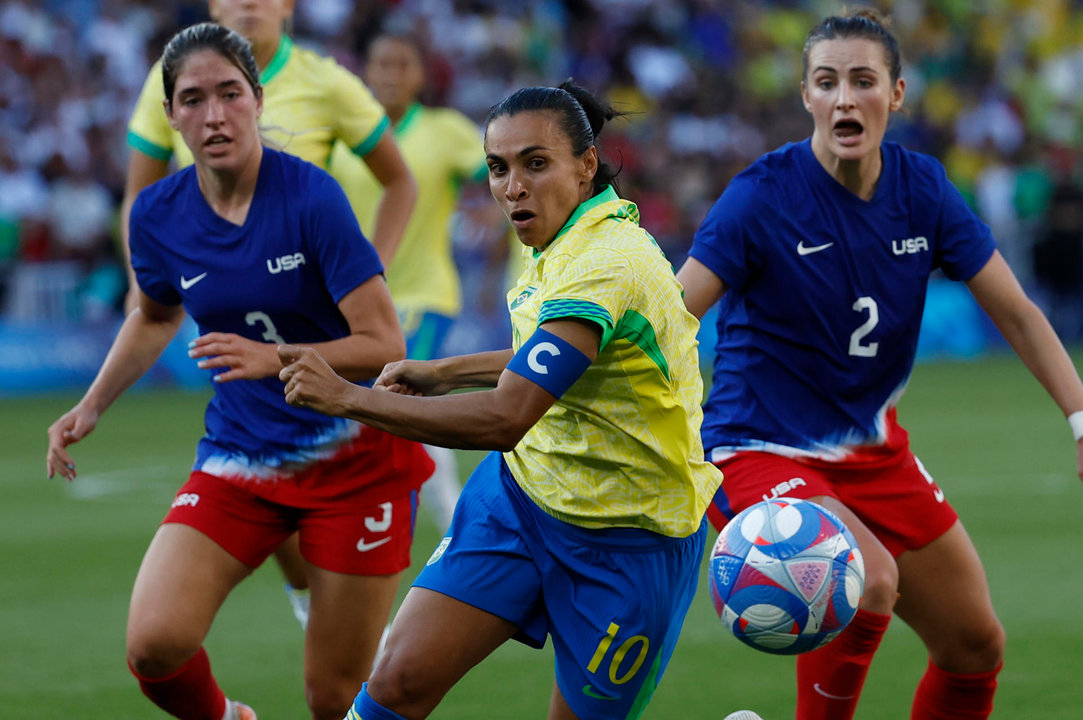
[259,21]
[850,94]
[534,176]
[216,111]
[394,72]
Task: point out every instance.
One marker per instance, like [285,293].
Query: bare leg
[558,706]
[944,596]
[288,556]
[434,641]
[349,613]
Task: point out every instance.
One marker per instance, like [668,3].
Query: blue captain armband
[550,362]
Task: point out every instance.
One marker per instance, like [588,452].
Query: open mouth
[521,216]
[216,141]
[847,129]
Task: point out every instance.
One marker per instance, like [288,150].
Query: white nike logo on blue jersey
[803,249]
[189,282]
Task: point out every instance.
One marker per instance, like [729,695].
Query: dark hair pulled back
[582,117]
[863,23]
[208,36]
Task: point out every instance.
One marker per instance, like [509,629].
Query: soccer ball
[786,576]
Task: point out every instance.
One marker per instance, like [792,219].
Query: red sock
[829,680]
[942,695]
[190,693]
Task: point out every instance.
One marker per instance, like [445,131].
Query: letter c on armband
[550,362]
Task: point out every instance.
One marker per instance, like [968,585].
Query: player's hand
[412,377]
[72,427]
[311,383]
[244,359]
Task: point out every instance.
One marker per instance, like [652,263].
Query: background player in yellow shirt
[588,526]
[442,147]
[310,105]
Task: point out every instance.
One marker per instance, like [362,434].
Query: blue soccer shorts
[425,333]
[613,600]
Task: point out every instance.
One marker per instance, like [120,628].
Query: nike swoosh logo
[803,249]
[189,282]
[591,692]
[363,546]
[829,696]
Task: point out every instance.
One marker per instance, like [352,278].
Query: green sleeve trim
[146,147]
[408,119]
[638,330]
[481,174]
[583,309]
[366,146]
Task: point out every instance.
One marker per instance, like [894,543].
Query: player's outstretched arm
[1027,330]
[494,419]
[439,377]
[145,333]
[702,288]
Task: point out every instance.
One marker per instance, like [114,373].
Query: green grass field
[68,555]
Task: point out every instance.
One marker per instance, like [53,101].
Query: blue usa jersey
[277,278]
[819,327]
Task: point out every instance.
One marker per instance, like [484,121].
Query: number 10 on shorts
[626,647]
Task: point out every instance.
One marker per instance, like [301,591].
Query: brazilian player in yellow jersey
[586,524]
[310,105]
[442,148]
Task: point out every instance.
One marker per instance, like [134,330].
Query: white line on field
[115,482]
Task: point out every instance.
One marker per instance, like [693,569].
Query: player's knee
[330,701]
[975,646]
[398,687]
[881,583]
[152,655]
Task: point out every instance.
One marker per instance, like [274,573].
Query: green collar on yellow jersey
[282,54]
[408,118]
[606,195]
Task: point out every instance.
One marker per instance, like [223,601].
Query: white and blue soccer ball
[786,576]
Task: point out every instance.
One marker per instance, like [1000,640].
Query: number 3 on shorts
[619,656]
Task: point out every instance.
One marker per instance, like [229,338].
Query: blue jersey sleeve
[346,258]
[146,263]
[965,243]
[726,239]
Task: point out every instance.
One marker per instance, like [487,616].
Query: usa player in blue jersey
[820,253]
[259,248]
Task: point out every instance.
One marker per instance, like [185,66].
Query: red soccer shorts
[898,500]
[355,513]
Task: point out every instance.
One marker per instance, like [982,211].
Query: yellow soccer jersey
[442,148]
[622,446]
[309,102]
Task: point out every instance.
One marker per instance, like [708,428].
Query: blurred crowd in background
[993,90]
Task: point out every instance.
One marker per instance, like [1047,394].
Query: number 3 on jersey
[862,305]
[270,332]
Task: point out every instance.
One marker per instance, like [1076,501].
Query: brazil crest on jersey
[819,327]
[277,278]
[621,447]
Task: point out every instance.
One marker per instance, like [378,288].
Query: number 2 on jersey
[862,305]
[270,332]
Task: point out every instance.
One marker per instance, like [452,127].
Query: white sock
[299,601]
[441,491]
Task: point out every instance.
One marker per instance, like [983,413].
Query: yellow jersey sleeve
[360,121]
[148,129]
